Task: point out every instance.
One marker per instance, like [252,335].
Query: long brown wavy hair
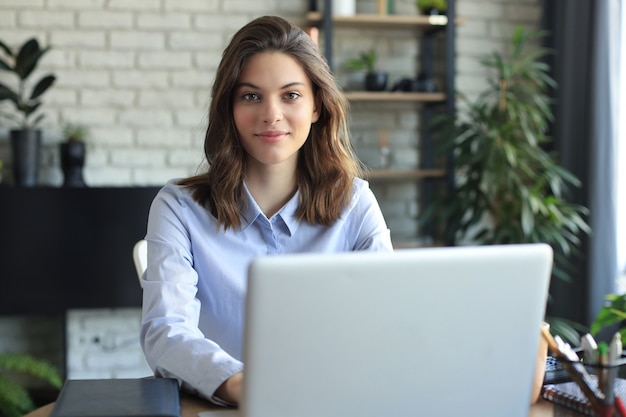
[327,165]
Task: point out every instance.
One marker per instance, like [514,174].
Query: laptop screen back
[439,331]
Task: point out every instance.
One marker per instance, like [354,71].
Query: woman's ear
[317,108]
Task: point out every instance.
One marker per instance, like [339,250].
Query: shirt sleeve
[367,223]
[170,337]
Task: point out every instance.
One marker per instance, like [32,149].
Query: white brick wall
[104,344]
[139,74]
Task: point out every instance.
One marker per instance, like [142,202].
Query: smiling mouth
[271,137]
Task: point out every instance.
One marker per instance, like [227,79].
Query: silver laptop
[421,332]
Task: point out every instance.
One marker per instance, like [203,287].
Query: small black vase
[26,153]
[431,11]
[72,162]
[376,81]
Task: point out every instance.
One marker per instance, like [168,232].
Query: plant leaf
[32,366]
[6,49]
[42,86]
[7,94]
[28,57]
[4,66]
[14,399]
[37,119]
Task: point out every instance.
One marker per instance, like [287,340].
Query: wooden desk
[543,408]
[191,406]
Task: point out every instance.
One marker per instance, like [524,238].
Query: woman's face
[273,108]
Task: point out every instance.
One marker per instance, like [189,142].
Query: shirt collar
[288,213]
[251,211]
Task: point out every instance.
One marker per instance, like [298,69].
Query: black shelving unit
[428,37]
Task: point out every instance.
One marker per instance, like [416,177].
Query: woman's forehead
[276,69]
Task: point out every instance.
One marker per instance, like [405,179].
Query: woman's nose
[271,112]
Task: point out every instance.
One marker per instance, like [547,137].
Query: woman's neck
[271,188]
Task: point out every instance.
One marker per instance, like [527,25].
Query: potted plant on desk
[25,139]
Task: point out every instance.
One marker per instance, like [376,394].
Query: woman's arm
[230,390]
[173,344]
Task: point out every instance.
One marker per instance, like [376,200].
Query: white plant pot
[344,7]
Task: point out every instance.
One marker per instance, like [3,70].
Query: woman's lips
[271,136]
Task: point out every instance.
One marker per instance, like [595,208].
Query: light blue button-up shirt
[195,284]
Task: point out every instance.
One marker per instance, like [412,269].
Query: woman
[282,178]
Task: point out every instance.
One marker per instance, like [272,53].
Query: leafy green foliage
[22,64]
[366,61]
[612,313]
[424,5]
[75,132]
[14,399]
[508,188]
[567,329]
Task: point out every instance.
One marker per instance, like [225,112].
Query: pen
[569,353]
[606,376]
[619,404]
[603,354]
[615,349]
[590,348]
[566,349]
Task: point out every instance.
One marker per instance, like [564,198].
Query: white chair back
[140,257]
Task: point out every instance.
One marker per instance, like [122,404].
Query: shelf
[391,174]
[379,21]
[394,96]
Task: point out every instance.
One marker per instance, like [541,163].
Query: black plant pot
[72,162]
[26,153]
[433,12]
[376,81]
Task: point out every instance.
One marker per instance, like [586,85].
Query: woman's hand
[230,390]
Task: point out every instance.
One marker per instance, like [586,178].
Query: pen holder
[603,381]
[597,383]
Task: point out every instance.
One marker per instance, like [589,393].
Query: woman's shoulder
[174,191]
[362,194]
[360,187]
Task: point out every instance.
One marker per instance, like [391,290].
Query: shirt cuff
[218,401]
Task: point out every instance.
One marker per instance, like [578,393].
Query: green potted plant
[507,187]
[25,138]
[374,80]
[15,400]
[72,151]
[432,7]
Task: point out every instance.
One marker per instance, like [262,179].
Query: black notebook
[118,397]
[569,395]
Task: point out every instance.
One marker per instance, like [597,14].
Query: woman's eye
[250,97]
[292,95]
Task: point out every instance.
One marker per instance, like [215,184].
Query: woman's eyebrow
[293,84]
[250,85]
